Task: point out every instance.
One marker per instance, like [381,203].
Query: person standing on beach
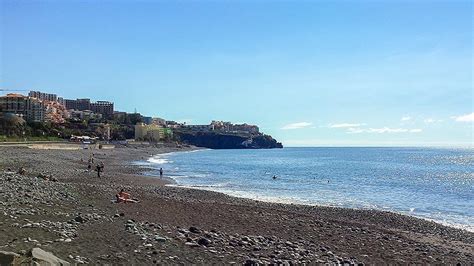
[161,172]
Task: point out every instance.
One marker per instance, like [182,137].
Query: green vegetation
[14,128]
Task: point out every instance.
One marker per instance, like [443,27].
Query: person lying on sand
[125,197]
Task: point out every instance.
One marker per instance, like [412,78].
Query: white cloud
[355,130]
[406,118]
[387,130]
[297,125]
[345,125]
[383,130]
[431,121]
[465,118]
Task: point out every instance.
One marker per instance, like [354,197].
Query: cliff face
[215,140]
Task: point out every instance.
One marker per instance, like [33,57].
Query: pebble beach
[58,205]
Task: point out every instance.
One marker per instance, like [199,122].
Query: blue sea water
[430,183]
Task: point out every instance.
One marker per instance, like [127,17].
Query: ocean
[430,183]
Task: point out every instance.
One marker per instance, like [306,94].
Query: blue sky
[310,73]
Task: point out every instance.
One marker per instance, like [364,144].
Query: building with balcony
[31,109]
[103,107]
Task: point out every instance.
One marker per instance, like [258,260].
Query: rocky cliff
[218,140]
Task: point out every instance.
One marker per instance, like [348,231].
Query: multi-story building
[199,127]
[13,103]
[78,104]
[61,101]
[221,125]
[35,109]
[83,104]
[70,104]
[30,108]
[174,124]
[151,132]
[86,114]
[245,128]
[43,96]
[103,107]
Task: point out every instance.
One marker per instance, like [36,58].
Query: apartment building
[29,108]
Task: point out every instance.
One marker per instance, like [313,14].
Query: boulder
[204,241]
[8,258]
[42,257]
[36,256]
[194,229]
[79,219]
[160,239]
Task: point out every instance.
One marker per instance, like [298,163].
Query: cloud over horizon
[464,118]
[383,130]
[345,125]
[297,125]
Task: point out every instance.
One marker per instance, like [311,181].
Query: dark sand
[75,219]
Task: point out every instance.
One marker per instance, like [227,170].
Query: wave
[159,160]
[220,187]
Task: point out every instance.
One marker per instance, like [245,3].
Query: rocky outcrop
[217,140]
[36,256]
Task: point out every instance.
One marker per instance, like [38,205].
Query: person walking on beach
[98,168]
[161,172]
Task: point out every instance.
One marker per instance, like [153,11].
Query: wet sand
[75,219]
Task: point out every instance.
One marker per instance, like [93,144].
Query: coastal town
[62,118]
[153,133]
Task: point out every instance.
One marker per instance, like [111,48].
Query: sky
[309,73]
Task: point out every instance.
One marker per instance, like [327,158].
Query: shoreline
[463,227]
[174,183]
[190,226]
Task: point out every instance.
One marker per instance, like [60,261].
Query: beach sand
[75,218]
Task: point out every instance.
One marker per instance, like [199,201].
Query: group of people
[122,196]
[99,168]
